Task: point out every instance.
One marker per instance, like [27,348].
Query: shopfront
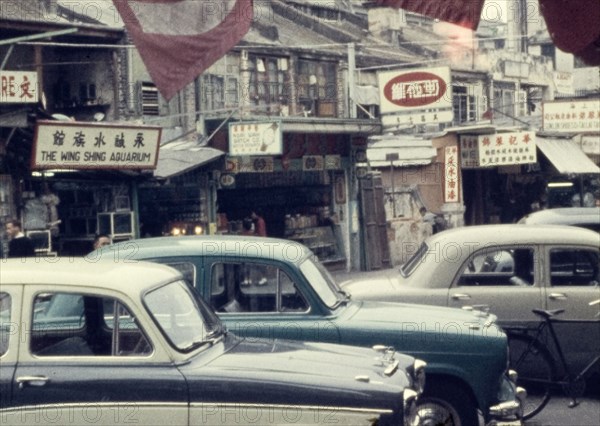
[298,177]
[81,180]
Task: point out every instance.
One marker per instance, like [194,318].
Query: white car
[508,270]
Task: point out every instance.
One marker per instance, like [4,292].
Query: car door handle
[31,381]
[461,296]
[558,296]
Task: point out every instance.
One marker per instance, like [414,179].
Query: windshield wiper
[346,295]
[212,338]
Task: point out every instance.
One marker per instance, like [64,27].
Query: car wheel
[446,404]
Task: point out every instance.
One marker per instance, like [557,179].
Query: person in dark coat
[19,245]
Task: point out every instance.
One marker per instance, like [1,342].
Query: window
[573,267]
[463,104]
[503,266]
[72,324]
[254,287]
[5,324]
[150,99]
[187,269]
[268,77]
[317,88]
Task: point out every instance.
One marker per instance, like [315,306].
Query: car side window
[99,326]
[574,267]
[5,327]
[499,267]
[253,287]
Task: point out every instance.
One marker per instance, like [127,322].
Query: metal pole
[351,83]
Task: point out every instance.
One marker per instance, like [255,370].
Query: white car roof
[132,275]
[517,234]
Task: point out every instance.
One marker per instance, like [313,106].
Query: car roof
[207,245]
[515,234]
[133,275]
[564,216]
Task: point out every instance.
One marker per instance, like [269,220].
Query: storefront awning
[179,157]
[566,156]
[405,151]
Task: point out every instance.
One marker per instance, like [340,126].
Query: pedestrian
[19,245]
[260,227]
[101,240]
[247,226]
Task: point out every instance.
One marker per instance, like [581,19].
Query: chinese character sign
[571,116]
[248,138]
[72,145]
[18,87]
[469,152]
[451,175]
[506,149]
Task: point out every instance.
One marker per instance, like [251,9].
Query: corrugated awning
[566,156]
[410,151]
[179,157]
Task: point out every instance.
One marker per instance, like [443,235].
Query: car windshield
[415,260]
[186,321]
[323,283]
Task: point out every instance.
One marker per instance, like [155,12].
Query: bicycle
[535,365]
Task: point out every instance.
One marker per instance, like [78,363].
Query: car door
[265,300]
[573,283]
[95,366]
[503,279]
[10,296]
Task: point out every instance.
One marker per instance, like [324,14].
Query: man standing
[260,227]
[19,245]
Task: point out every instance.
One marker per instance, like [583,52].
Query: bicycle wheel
[535,367]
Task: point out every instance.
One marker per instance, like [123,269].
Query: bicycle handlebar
[547,314]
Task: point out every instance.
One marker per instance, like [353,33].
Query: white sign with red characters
[507,149]
[451,175]
[499,149]
[571,116]
[18,87]
[424,95]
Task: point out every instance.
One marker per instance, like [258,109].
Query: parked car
[270,288]
[106,343]
[584,217]
[508,270]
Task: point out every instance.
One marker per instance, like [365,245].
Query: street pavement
[558,413]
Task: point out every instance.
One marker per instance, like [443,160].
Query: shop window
[499,267]
[5,324]
[317,88]
[72,324]
[254,287]
[570,267]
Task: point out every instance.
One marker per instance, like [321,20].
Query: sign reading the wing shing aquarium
[78,145]
[249,138]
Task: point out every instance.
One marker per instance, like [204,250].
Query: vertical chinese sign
[451,175]
[74,145]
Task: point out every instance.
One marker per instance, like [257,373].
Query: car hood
[431,333]
[286,372]
[368,283]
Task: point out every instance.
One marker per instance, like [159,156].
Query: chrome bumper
[510,409]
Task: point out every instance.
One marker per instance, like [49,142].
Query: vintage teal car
[270,288]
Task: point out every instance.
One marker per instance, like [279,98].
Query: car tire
[446,403]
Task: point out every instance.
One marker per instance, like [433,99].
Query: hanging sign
[81,145]
[451,175]
[415,96]
[247,138]
[571,116]
[18,87]
[499,149]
